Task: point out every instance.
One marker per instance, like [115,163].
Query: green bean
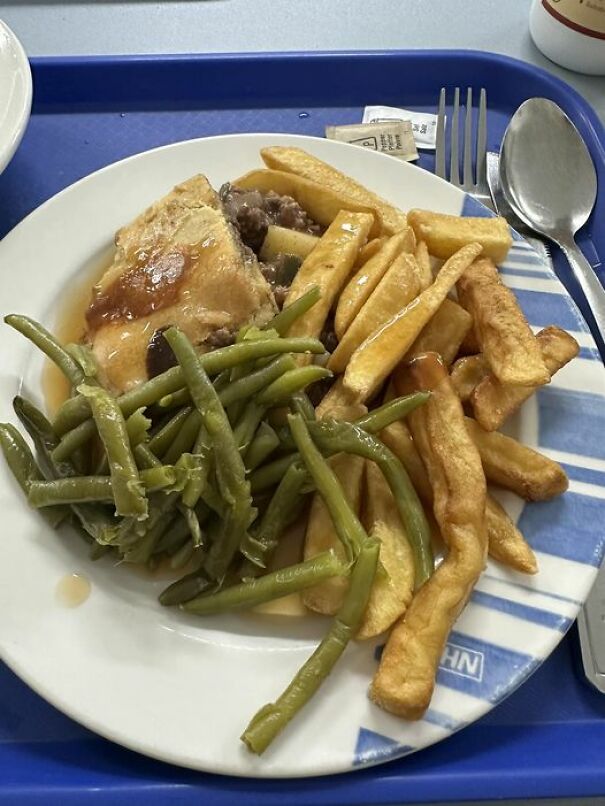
[301,404]
[333,437]
[198,468]
[193,524]
[262,446]
[346,524]
[93,518]
[137,427]
[272,586]
[374,421]
[244,431]
[77,409]
[254,382]
[23,466]
[175,399]
[270,720]
[173,538]
[142,550]
[160,442]
[97,551]
[185,439]
[283,321]
[81,489]
[184,554]
[281,390]
[285,505]
[145,458]
[74,439]
[271,474]
[46,342]
[230,470]
[84,357]
[186,588]
[128,492]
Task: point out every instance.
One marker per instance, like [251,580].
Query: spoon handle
[589,283]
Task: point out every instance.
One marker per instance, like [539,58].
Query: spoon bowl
[549,180]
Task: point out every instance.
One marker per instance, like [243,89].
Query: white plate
[15,94]
[182,689]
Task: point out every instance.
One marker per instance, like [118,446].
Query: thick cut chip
[369,250]
[393,586]
[493,403]
[506,543]
[423,260]
[364,281]
[179,263]
[469,371]
[506,340]
[282,241]
[320,201]
[510,464]
[398,286]
[380,353]
[339,404]
[446,234]
[328,267]
[321,536]
[297,161]
[397,437]
[444,332]
[405,679]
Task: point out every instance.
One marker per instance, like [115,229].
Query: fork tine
[454,171]
[482,139]
[440,138]
[467,160]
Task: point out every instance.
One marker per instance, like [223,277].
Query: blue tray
[90,112]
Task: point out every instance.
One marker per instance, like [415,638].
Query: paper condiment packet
[393,137]
[424,125]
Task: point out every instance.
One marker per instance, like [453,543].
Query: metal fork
[473,184]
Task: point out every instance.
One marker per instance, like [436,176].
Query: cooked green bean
[230,470]
[142,550]
[285,505]
[301,404]
[74,439]
[247,425]
[175,399]
[181,557]
[94,519]
[145,458]
[272,718]
[374,421]
[346,523]
[160,442]
[128,491]
[81,489]
[173,538]
[271,474]
[282,389]
[77,409]
[137,427]
[255,381]
[198,467]
[272,586]
[262,446]
[186,588]
[283,321]
[46,342]
[185,439]
[23,466]
[333,437]
[84,357]
[194,526]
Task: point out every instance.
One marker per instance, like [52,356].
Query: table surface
[77,27]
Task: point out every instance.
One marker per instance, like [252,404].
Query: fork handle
[589,283]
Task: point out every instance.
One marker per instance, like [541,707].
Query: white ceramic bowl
[15,94]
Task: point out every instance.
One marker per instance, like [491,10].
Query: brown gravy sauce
[151,284]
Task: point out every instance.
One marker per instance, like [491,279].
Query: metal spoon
[550,182]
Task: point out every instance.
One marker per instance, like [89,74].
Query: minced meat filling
[252,211]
